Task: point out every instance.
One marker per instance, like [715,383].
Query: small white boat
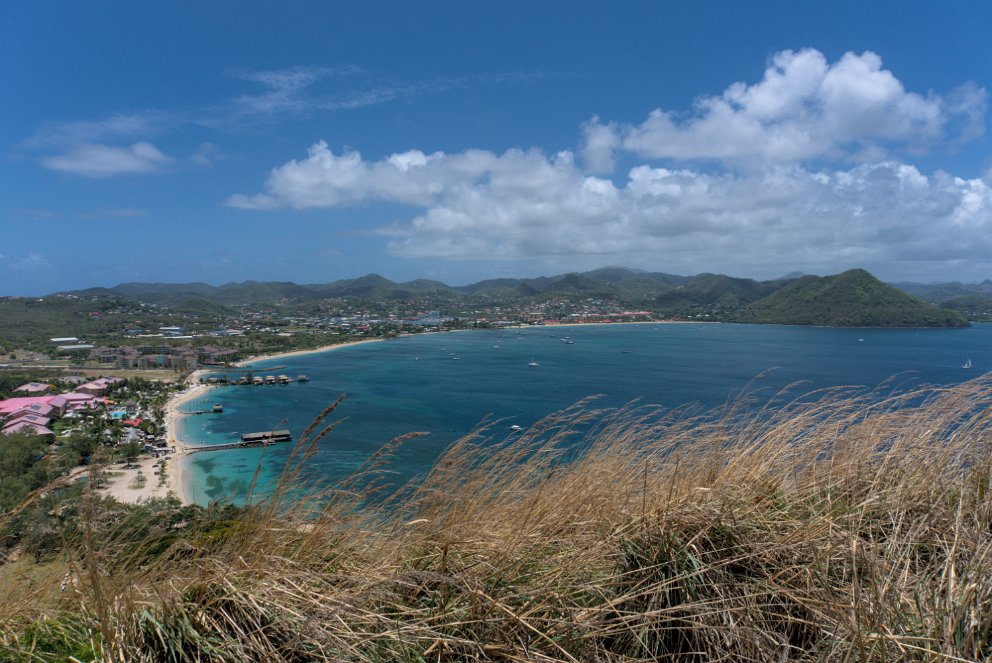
[966,364]
[533,364]
[515,427]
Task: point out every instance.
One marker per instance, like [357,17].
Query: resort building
[78,402]
[33,414]
[28,428]
[100,387]
[36,404]
[28,417]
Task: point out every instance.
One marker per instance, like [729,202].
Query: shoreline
[178,475]
[125,485]
[295,353]
[177,479]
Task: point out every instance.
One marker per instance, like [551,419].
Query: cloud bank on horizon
[812,165]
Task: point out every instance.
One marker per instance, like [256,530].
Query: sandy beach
[297,353]
[139,482]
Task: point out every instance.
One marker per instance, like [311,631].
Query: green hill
[854,298]
[717,290]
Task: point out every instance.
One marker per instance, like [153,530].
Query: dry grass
[848,526]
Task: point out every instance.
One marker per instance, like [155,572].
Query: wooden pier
[262,439]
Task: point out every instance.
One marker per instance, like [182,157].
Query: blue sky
[311,141]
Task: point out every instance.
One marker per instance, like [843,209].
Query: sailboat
[966,364]
[532,363]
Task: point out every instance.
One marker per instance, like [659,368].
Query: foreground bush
[840,526]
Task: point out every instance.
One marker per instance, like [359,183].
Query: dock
[266,437]
[261,439]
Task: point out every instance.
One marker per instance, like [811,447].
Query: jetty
[248,369]
[266,437]
[261,439]
[255,380]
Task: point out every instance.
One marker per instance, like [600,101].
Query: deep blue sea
[448,383]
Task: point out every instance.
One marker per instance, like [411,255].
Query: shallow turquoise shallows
[445,384]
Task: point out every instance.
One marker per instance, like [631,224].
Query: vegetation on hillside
[937,293]
[974,307]
[715,293]
[29,322]
[854,298]
[839,526]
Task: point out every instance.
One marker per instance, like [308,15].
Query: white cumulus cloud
[325,179]
[525,204]
[805,169]
[599,145]
[806,108]
[97,160]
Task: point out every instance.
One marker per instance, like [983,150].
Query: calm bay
[445,384]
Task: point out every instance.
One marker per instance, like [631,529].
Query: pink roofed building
[33,388]
[76,402]
[12,405]
[29,416]
[100,387]
[27,429]
[60,403]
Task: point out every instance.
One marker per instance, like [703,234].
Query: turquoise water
[415,384]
